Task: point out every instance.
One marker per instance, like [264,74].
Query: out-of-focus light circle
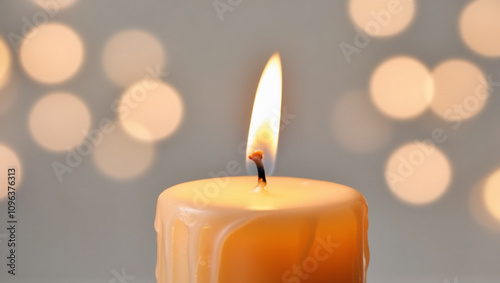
[480,209]
[52,53]
[121,157]
[5,63]
[418,173]
[401,87]
[480,27]
[150,110]
[9,160]
[133,55]
[8,96]
[357,125]
[59,121]
[491,195]
[460,90]
[8,85]
[54,5]
[382,17]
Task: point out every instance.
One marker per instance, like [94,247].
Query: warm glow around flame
[265,123]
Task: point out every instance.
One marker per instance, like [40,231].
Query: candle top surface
[242,193]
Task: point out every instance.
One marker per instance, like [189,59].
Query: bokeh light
[357,125]
[9,159]
[54,5]
[121,157]
[52,53]
[478,206]
[460,90]
[133,55]
[8,85]
[480,27]
[382,17]
[491,195]
[150,110]
[59,121]
[5,63]
[418,173]
[9,95]
[401,87]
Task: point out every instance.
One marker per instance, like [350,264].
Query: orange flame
[266,115]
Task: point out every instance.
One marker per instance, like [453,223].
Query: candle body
[225,231]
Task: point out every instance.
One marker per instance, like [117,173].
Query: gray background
[89,225]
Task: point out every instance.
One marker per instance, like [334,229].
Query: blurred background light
[401,87]
[51,53]
[8,86]
[491,194]
[8,159]
[54,5]
[150,110]
[8,95]
[460,90]
[418,173]
[121,157]
[485,211]
[357,126]
[5,63]
[382,17]
[59,121]
[480,27]
[132,55]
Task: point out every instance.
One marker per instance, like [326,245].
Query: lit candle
[264,229]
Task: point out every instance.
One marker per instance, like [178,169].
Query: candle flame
[266,116]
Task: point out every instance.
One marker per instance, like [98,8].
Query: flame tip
[275,58]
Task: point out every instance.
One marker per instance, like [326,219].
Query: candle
[262,229]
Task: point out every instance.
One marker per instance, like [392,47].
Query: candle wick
[256,157]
